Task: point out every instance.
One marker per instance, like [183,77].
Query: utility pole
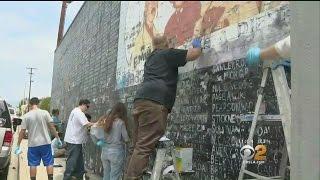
[24,94]
[30,84]
[62,20]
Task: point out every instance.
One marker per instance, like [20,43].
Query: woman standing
[56,120]
[113,144]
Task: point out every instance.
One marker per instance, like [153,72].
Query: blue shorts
[35,154]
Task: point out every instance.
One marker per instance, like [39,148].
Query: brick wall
[210,93]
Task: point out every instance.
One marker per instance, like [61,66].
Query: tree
[22,102]
[45,103]
[22,106]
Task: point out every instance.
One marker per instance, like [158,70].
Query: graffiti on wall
[180,21]
[211,91]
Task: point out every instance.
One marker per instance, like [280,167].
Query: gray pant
[112,161]
[75,164]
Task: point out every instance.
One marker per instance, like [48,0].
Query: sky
[28,35]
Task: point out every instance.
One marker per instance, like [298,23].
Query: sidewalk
[19,169]
[41,171]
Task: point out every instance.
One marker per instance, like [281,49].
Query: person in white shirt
[76,135]
[280,50]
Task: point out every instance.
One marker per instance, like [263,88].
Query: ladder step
[259,176]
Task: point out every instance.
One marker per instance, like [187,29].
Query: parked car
[6,137]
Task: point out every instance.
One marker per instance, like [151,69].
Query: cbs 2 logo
[259,152]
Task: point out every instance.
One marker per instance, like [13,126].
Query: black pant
[75,164]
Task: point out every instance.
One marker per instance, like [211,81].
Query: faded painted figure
[110,133]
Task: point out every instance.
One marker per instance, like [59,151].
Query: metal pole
[62,21]
[30,81]
[24,94]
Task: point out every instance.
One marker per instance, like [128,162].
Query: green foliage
[22,101]
[45,103]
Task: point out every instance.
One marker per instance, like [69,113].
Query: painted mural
[181,21]
[101,58]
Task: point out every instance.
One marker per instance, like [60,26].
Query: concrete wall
[101,58]
[305,95]
[85,64]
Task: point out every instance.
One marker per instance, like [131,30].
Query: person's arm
[21,135]
[53,130]
[269,53]
[84,121]
[195,52]
[89,124]
[51,125]
[124,133]
[281,49]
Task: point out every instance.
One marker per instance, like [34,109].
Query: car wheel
[4,173]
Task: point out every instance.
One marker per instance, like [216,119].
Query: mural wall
[102,56]
[181,21]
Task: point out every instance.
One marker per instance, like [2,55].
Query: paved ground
[41,171]
[19,169]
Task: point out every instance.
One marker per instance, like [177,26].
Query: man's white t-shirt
[76,132]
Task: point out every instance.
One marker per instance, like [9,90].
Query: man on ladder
[155,99]
[280,50]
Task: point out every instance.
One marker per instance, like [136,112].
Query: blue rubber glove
[101,143]
[18,150]
[253,57]
[196,43]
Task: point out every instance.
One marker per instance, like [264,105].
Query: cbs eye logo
[259,152]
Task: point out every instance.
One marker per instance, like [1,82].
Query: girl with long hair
[113,143]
